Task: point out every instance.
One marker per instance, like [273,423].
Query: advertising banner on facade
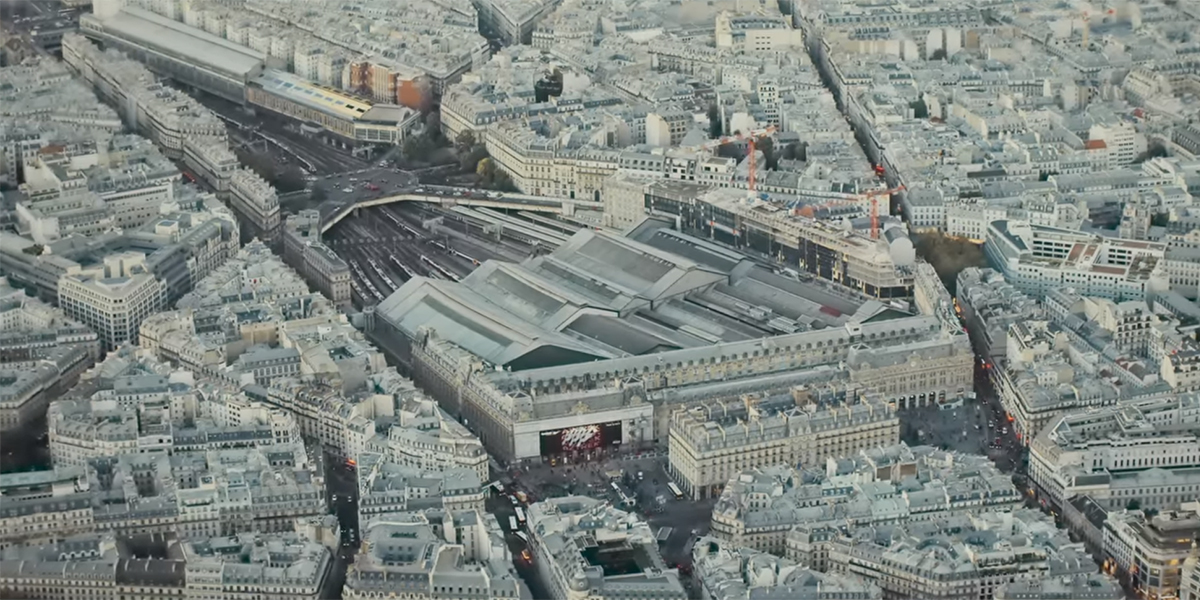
[584,438]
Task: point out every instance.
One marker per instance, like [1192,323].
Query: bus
[520,515]
[675,490]
[512,523]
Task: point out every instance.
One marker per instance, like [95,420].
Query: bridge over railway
[334,211]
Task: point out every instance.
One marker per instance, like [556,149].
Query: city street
[979,426]
[341,489]
[686,519]
[323,158]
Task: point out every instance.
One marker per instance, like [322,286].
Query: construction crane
[871,196]
[874,197]
[750,138]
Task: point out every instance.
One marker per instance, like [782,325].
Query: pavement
[341,481]
[349,187]
[686,519]
[973,428]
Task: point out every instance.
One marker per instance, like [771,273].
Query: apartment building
[108,567]
[294,350]
[1189,579]
[427,438]
[576,542]
[256,202]
[424,554]
[756,32]
[624,196]
[316,262]
[1122,141]
[1144,450]
[962,557]
[727,572]
[1151,550]
[1037,260]
[163,114]
[513,21]
[44,506]
[212,161]
[120,182]
[142,406]
[385,487]
[191,234]
[990,305]
[784,511]
[43,351]
[114,298]
[1090,586]
[714,441]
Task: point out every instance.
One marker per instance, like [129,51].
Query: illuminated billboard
[585,438]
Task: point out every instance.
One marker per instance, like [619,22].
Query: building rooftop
[604,296]
[596,547]
[419,551]
[728,572]
[190,44]
[751,419]
[894,482]
[41,95]
[327,100]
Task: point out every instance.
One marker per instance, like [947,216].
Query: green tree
[503,183]
[795,151]
[433,125]
[470,161]
[464,141]
[485,170]
[261,164]
[469,151]
[1133,504]
[920,109]
[766,145]
[289,179]
[418,147]
[938,54]
[948,255]
[1154,149]
[731,151]
[714,121]
[1160,219]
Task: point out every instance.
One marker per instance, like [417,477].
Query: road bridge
[332,212]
